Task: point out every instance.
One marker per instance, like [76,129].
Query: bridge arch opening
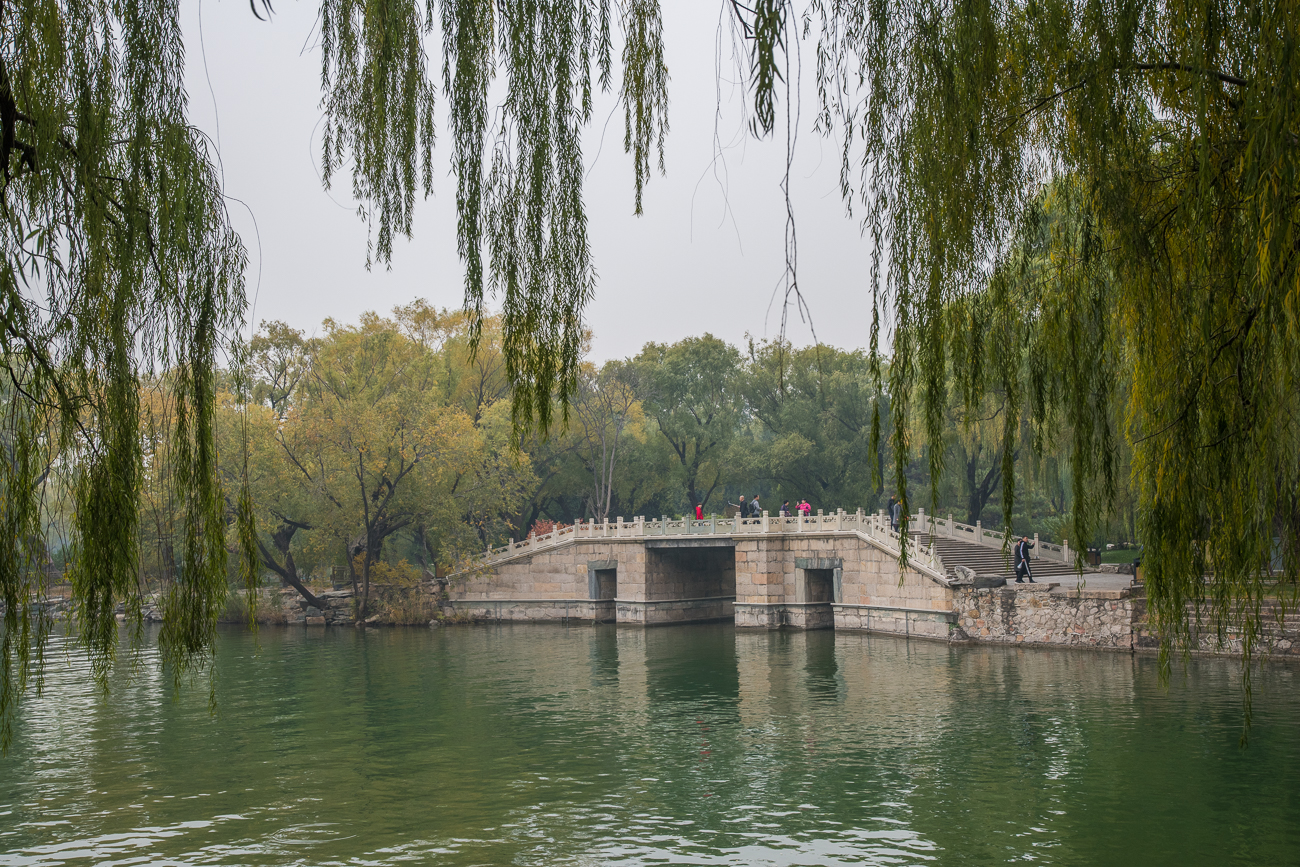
[687,581]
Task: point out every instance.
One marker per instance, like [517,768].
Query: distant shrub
[236,608]
[400,595]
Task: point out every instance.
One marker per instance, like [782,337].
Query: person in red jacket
[699,511]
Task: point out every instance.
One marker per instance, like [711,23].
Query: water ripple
[694,745]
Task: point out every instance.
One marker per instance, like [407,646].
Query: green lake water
[686,745]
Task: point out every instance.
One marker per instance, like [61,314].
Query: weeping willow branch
[1117,255]
[519,190]
[118,261]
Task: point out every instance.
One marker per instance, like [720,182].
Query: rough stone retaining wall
[1279,636]
[1102,619]
[1002,615]
[338,610]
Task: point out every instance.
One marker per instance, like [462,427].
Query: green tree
[373,444]
[605,414]
[817,406]
[691,391]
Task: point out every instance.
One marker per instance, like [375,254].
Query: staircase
[989,561]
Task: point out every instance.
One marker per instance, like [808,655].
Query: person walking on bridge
[1022,561]
[699,511]
[755,510]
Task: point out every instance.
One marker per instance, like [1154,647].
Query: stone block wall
[809,615]
[917,623]
[871,577]
[554,575]
[1104,619]
[534,610]
[675,611]
[761,571]
[759,616]
[773,587]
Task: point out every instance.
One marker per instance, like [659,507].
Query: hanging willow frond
[118,260]
[519,179]
[1119,185]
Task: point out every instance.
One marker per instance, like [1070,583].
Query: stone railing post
[618,532]
[950,525]
[979,532]
[839,520]
[713,523]
[1036,555]
[1065,550]
[765,521]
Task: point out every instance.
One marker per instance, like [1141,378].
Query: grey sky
[706,256]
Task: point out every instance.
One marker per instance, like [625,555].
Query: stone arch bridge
[839,570]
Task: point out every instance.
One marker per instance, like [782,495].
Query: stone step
[988,561]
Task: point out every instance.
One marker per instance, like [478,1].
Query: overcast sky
[706,256]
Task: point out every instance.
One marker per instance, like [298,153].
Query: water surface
[685,745]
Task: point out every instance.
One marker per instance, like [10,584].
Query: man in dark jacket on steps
[1022,561]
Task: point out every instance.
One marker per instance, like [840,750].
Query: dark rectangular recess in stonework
[602,579]
[820,585]
[606,583]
